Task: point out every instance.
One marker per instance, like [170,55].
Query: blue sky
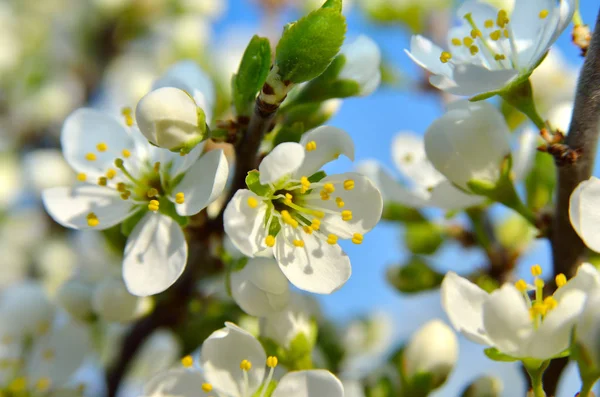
[372,122]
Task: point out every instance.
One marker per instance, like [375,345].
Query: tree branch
[567,248]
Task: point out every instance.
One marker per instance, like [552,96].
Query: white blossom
[584,214]
[588,331]
[288,324]
[362,64]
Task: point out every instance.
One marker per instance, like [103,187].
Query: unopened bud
[114,303]
[484,386]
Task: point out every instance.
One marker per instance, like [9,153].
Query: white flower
[76,298]
[588,331]
[584,214]
[260,288]
[489,51]
[122,175]
[362,64]
[303,220]
[508,320]
[114,303]
[432,349]
[232,364]
[469,142]
[288,324]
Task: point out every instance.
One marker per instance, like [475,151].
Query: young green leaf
[253,183]
[251,74]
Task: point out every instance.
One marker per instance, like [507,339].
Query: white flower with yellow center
[232,364]
[122,176]
[492,50]
[509,320]
[293,208]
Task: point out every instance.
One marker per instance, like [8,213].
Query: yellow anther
[187,361]
[538,308]
[506,33]
[539,283]
[319,214]
[206,387]
[521,285]
[324,195]
[349,184]
[456,41]
[307,229]
[152,192]
[126,112]
[48,354]
[102,181]
[43,384]
[156,166]
[288,199]
[329,188]
[126,195]
[489,23]
[270,241]
[126,153]
[110,174]
[310,146]
[90,157]
[245,365]
[332,239]
[119,163]
[560,279]
[550,303]
[153,205]
[543,14]
[473,49]
[92,220]
[475,33]
[298,243]
[445,57]
[252,202]
[499,57]
[315,224]
[81,177]
[102,147]
[272,361]
[18,385]
[340,203]
[468,41]
[121,187]
[495,35]
[502,18]
[180,198]
[357,238]
[347,215]
[536,270]
[287,218]
[304,181]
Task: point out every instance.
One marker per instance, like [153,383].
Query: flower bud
[76,298]
[285,326]
[260,288]
[432,349]
[169,118]
[588,332]
[469,142]
[113,302]
[362,64]
[484,386]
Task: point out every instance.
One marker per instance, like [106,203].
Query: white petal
[187,76]
[260,288]
[155,255]
[463,303]
[179,382]
[245,225]
[447,196]
[474,79]
[221,355]
[86,128]
[312,383]
[203,183]
[506,320]
[57,356]
[182,163]
[587,280]
[363,64]
[283,160]
[584,211]
[113,303]
[427,55]
[524,156]
[408,151]
[317,267]
[331,143]
[71,206]
[364,201]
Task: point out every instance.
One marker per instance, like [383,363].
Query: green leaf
[327,85]
[317,176]
[333,4]
[415,276]
[251,74]
[496,355]
[540,182]
[308,46]
[423,237]
[253,183]
[274,227]
[129,223]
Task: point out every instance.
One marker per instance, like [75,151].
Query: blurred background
[58,55]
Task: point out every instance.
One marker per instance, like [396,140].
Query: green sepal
[333,4]
[423,237]
[274,227]
[317,177]
[299,354]
[252,74]
[400,213]
[328,86]
[494,354]
[308,46]
[253,183]
[420,384]
[167,207]
[414,277]
[129,223]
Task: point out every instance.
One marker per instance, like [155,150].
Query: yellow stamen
[473,49]
[288,199]
[121,187]
[550,303]
[315,224]
[245,365]
[153,205]
[92,220]
[298,243]
[102,181]
[206,387]
[287,218]
[456,41]
[521,285]
[347,215]
[445,57]
[180,198]
[126,112]
[332,239]
[357,238]
[307,229]
[272,361]
[270,241]
[468,41]
[539,308]
[126,195]
[102,147]
[506,33]
[502,18]
[110,174]
[81,177]
[152,192]
[324,195]
[187,361]
[90,157]
[560,279]
[329,188]
[536,270]
[340,203]
[475,33]
[495,35]
[43,384]
[539,283]
[543,14]
[310,146]
[18,385]
[252,202]
[349,184]
[499,57]
[126,153]
[489,23]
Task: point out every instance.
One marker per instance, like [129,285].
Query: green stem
[536,374]
[586,387]
[520,95]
